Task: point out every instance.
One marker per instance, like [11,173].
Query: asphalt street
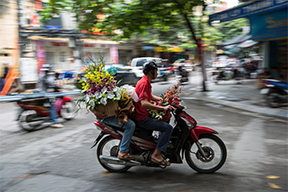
[61,159]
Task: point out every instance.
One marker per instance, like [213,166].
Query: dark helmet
[149,66]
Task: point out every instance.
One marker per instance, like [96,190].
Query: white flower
[92,103]
[110,95]
[103,100]
[104,90]
[118,94]
[98,95]
[87,98]
[116,89]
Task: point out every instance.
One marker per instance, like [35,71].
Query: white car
[137,67]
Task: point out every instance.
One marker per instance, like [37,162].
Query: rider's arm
[146,104]
[155,98]
[50,84]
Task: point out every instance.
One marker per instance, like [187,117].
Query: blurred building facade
[8,31]
[268,23]
[58,43]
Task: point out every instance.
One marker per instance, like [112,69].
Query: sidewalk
[243,96]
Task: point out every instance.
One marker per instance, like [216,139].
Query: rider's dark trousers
[157,125]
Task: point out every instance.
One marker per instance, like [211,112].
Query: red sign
[88,45]
[59,44]
[38,5]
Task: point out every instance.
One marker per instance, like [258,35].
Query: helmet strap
[153,73]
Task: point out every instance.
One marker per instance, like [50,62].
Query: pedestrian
[129,129]
[3,77]
[144,91]
[46,84]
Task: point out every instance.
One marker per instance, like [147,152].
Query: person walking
[3,77]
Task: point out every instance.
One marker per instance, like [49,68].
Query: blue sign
[53,27]
[249,9]
[147,47]
[270,25]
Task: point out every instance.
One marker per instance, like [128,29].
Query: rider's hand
[100,115]
[169,108]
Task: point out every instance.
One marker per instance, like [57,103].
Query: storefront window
[63,56]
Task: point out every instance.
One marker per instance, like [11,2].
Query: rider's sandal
[126,156]
[164,162]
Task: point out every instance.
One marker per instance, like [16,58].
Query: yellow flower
[125,97]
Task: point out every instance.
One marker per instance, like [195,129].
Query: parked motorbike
[275,91]
[203,150]
[227,74]
[34,112]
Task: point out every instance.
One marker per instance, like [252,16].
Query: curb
[279,113]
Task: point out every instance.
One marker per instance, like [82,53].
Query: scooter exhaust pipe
[115,160]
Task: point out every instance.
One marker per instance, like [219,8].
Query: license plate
[264,91]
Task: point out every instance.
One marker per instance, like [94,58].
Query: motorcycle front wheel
[215,152]
[109,146]
[68,110]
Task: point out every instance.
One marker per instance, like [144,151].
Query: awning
[248,9]
[248,43]
[236,40]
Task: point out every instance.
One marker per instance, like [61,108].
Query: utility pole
[19,14]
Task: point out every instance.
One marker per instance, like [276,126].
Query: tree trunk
[199,51]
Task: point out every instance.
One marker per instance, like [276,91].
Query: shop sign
[147,47]
[41,54]
[175,49]
[248,10]
[59,44]
[271,25]
[161,49]
[38,5]
[114,54]
[34,21]
[88,45]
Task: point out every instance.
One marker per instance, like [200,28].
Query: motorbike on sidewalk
[227,74]
[275,92]
[182,76]
[34,112]
[203,150]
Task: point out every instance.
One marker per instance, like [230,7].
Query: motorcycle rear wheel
[272,99]
[109,146]
[26,120]
[215,151]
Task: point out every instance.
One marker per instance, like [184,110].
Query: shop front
[269,25]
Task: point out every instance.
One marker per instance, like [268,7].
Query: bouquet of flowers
[166,99]
[101,90]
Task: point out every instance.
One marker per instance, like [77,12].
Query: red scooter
[204,151]
[34,112]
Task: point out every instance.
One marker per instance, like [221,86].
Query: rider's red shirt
[143,90]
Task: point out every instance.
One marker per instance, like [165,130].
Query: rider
[46,84]
[142,119]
